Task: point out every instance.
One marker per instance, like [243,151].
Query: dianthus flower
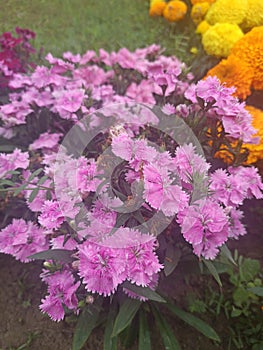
[51,215]
[250,50]
[234,72]
[12,161]
[219,39]
[225,11]
[254,15]
[157,7]
[22,239]
[46,141]
[199,11]
[61,292]
[175,10]
[205,225]
[236,227]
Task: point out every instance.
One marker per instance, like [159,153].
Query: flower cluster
[223,23]
[112,160]
[172,11]
[14,54]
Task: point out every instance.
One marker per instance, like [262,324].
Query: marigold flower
[250,50]
[202,27]
[219,39]
[157,7]
[193,2]
[175,10]
[225,11]
[234,72]
[254,14]
[199,11]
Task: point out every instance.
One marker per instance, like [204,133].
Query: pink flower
[45,140]
[236,228]
[142,92]
[62,291]
[22,239]
[205,226]
[16,159]
[51,215]
[101,268]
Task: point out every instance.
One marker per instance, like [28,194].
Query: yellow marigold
[175,10]
[234,72]
[250,50]
[202,27]
[255,151]
[193,2]
[219,39]
[227,11]
[199,11]
[157,7]
[254,14]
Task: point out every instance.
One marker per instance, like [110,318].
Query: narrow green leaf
[227,253]
[87,321]
[126,314]
[211,268]
[194,321]
[169,340]
[7,148]
[144,292]
[257,291]
[7,182]
[34,174]
[172,258]
[19,189]
[144,333]
[33,194]
[54,254]
[110,343]
[42,180]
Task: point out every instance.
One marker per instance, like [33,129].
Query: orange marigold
[157,7]
[175,11]
[250,50]
[234,72]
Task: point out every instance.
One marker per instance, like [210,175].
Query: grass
[79,25]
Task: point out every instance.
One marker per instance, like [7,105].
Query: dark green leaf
[227,254]
[126,314]
[62,255]
[193,321]
[144,333]
[19,189]
[87,321]
[169,340]
[144,292]
[42,180]
[110,343]
[212,269]
[33,194]
[172,258]
[7,182]
[7,148]
[257,291]
[34,174]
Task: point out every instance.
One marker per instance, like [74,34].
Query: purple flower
[46,141]
[101,268]
[205,226]
[236,228]
[61,289]
[51,215]
[12,161]
[22,239]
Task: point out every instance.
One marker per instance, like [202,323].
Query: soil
[24,327]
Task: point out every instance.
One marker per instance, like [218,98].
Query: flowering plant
[113,168]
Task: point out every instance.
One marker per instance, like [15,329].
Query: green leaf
[257,291]
[6,182]
[62,255]
[144,292]
[42,180]
[194,321]
[34,174]
[7,148]
[126,314]
[211,268]
[33,194]
[110,343]
[87,321]
[227,254]
[169,340]
[19,189]
[144,333]
[172,258]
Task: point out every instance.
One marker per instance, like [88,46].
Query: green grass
[79,25]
